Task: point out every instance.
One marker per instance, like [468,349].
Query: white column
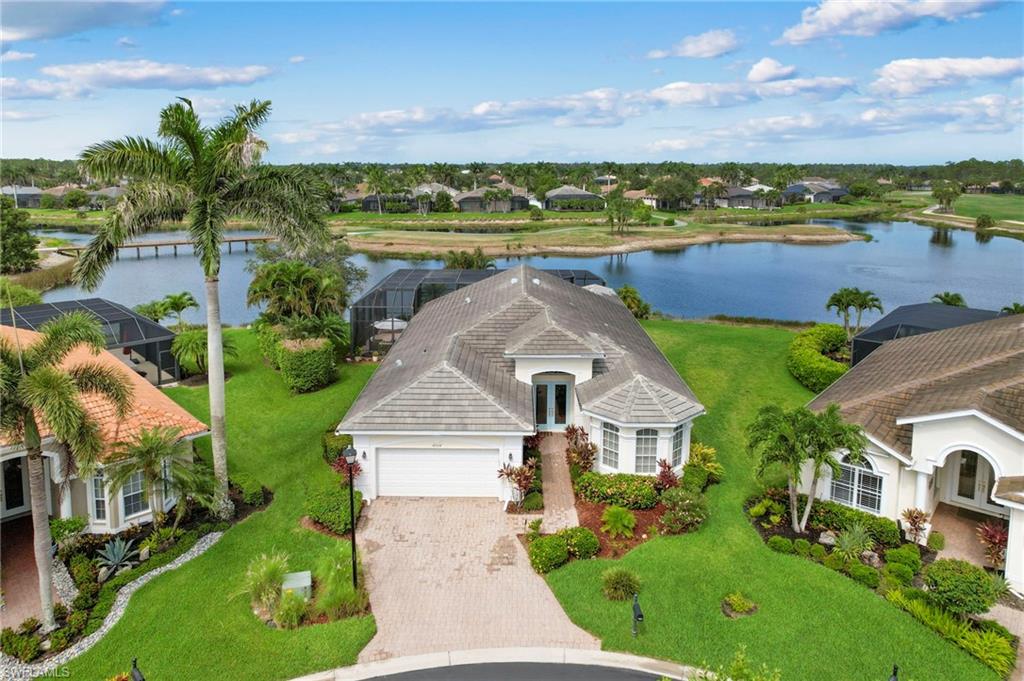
[65,503]
[1015,551]
[921,491]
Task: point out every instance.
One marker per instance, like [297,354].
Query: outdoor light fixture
[350,455]
[895,674]
[638,614]
[136,674]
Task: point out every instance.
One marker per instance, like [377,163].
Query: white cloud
[176,12]
[679,144]
[906,77]
[209,107]
[14,55]
[297,59]
[39,20]
[685,93]
[20,116]
[143,73]
[769,69]
[871,17]
[713,43]
[126,42]
[34,88]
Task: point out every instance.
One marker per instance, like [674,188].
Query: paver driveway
[449,574]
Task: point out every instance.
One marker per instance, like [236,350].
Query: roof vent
[467,299]
[536,281]
[515,280]
[398,363]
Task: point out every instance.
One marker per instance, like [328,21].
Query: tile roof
[569,190]
[1010,488]
[977,366]
[453,367]
[151,407]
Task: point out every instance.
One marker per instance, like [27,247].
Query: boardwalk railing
[172,244]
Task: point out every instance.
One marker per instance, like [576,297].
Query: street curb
[454,658]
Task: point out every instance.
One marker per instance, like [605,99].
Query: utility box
[300,583]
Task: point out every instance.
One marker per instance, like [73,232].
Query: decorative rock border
[62,582]
[10,668]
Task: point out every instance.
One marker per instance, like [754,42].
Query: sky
[901,81]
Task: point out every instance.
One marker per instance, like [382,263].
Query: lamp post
[350,459]
[895,674]
[136,674]
[638,614]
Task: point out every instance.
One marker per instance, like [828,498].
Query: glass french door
[14,486]
[551,405]
[972,483]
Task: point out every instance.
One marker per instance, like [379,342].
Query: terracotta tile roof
[977,366]
[150,408]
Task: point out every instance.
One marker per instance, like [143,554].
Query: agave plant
[853,541]
[117,554]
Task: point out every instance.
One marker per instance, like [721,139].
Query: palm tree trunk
[810,501]
[215,373]
[794,508]
[41,540]
[157,490]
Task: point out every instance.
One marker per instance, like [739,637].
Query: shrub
[984,221]
[853,541]
[781,544]
[905,555]
[668,222]
[865,574]
[834,561]
[536,214]
[117,554]
[61,639]
[28,625]
[684,511]
[335,597]
[618,584]
[994,536]
[581,542]
[83,570]
[333,445]
[836,517]
[737,602]
[960,587]
[807,361]
[160,538]
[268,340]
[617,521]
[250,488]
[64,528]
[548,553]
[60,612]
[992,649]
[802,547]
[666,478]
[619,489]
[263,578]
[77,619]
[915,519]
[18,295]
[291,610]
[899,573]
[936,541]
[25,647]
[533,530]
[307,364]
[329,506]
[818,552]
[695,478]
[706,457]
[534,501]
[86,597]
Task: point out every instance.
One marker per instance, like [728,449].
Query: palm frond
[106,381]
[180,125]
[63,334]
[207,218]
[233,142]
[289,203]
[135,157]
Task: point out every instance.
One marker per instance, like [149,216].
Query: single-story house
[944,416]
[519,352]
[910,320]
[402,202]
[24,197]
[568,197]
[648,199]
[757,186]
[478,200]
[89,497]
[734,197]
[814,192]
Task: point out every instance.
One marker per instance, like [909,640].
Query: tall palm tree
[842,301]
[1013,308]
[829,435]
[949,298]
[35,389]
[379,183]
[443,173]
[204,175]
[476,169]
[159,454]
[177,303]
[864,301]
[711,192]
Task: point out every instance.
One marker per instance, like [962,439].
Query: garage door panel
[429,472]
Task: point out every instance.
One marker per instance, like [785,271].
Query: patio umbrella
[390,324]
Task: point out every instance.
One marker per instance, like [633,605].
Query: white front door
[428,472]
[14,498]
[972,481]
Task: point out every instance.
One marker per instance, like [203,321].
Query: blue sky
[904,81]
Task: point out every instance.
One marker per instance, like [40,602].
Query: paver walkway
[20,579]
[450,574]
[1013,620]
[559,502]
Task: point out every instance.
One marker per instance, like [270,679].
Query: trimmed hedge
[836,517]
[333,445]
[781,544]
[268,340]
[865,574]
[329,506]
[695,478]
[581,542]
[548,553]
[618,489]
[307,365]
[807,362]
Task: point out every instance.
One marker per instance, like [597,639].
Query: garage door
[437,473]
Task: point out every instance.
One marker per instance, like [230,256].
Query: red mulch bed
[590,517]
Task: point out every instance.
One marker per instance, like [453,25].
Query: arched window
[858,485]
[646,450]
[610,445]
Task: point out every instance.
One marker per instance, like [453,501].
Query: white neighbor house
[520,352]
[944,415]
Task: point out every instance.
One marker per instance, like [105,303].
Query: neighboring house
[757,186]
[648,199]
[734,197]
[814,192]
[475,201]
[522,351]
[89,497]
[911,320]
[944,416]
[568,197]
[349,196]
[392,203]
[24,197]
[606,180]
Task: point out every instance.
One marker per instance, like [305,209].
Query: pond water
[903,263]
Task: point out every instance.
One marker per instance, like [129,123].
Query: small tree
[75,199]
[643,214]
[949,298]
[190,349]
[630,297]
[177,303]
[443,203]
[618,211]
[17,243]
[159,454]
[843,301]
[154,309]
[984,221]
[48,201]
[946,193]
[1013,308]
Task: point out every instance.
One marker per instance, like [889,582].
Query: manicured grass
[360,217]
[999,206]
[812,623]
[188,623]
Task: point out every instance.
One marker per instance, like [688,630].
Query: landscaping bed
[647,526]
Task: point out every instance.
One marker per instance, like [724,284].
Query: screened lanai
[379,316]
[138,341]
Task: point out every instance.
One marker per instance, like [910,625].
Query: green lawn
[999,206]
[813,623]
[187,623]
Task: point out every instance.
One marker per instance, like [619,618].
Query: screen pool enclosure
[138,341]
[379,316]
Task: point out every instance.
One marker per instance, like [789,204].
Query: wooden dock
[172,244]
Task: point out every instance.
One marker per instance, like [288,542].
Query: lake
[903,263]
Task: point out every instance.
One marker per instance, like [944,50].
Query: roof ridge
[644,381]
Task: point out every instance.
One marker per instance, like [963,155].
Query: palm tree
[949,298]
[35,390]
[177,303]
[1013,308]
[378,182]
[711,192]
[842,301]
[863,301]
[829,435]
[443,173]
[291,289]
[191,348]
[206,176]
[476,169]
[155,309]
[468,260]
[159,454]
